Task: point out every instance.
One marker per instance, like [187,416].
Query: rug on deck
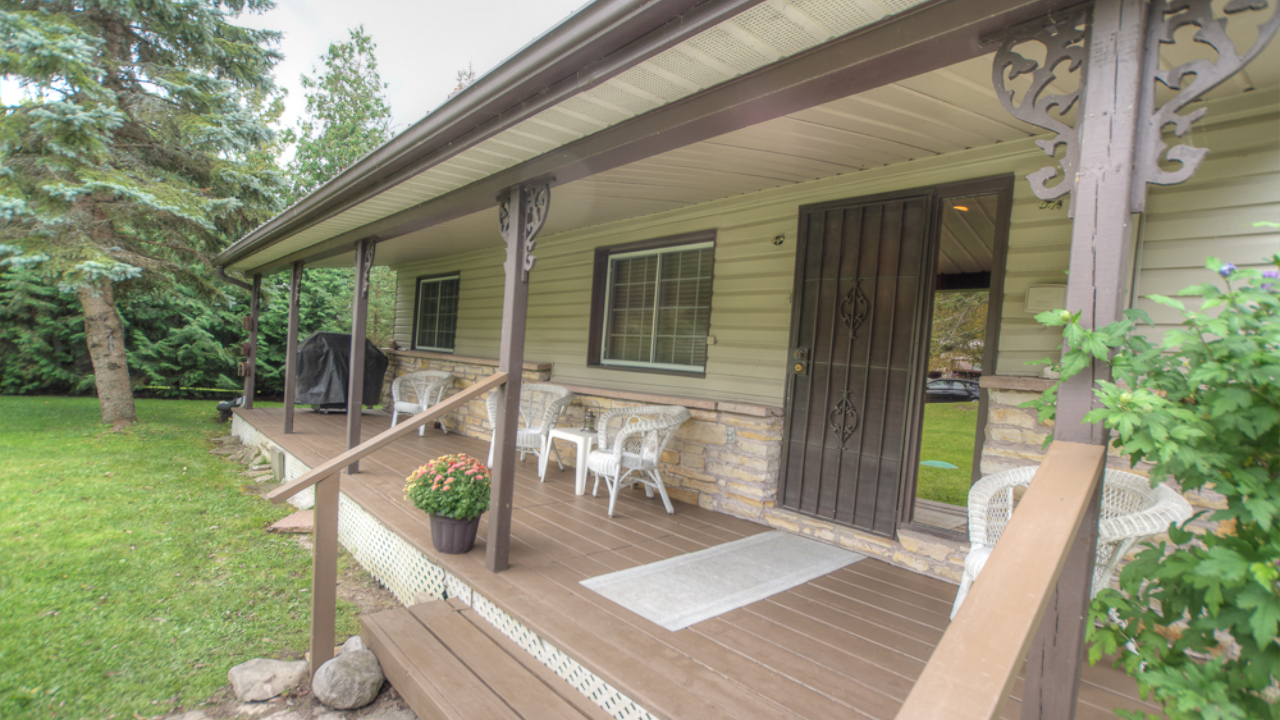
[680,591]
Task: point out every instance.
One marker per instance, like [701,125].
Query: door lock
[801,358]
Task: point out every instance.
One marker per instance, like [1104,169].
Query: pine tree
[138,150]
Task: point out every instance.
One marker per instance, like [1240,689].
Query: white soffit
[764,34]
[940,112]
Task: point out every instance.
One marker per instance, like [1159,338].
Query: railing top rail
[330,467]
[973,668]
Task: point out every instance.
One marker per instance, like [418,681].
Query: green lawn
[948,436]
[133,571]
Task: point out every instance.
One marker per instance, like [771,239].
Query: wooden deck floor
[849,644]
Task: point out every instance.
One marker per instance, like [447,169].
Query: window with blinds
[658,308]
[436,319]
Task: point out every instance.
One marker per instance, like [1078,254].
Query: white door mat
[680,591]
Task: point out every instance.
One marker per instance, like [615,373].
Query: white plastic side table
[584,439]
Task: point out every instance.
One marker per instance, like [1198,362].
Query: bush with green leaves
[1195,622]
[452,486]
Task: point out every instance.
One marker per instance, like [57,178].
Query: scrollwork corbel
[1064,42]
[537,201]
[1165,19]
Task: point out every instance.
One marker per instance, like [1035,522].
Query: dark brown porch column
[1096,288]
[251,359]
[359,323]
[291,347]
[522,212]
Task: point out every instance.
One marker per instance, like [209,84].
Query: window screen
[659,308]
[437,318]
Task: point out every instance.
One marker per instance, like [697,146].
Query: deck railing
[324,570]
[971,672]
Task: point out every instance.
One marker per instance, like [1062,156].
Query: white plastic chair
[631,440]
[540,408]
[416,391]
[1131,510]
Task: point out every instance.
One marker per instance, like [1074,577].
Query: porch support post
[359,323]
[251,358]
[291,346]
[521,213]
[1096,286]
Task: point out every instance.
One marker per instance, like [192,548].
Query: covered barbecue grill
[323,360]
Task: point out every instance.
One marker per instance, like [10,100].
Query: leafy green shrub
[454,486]
[1196,622]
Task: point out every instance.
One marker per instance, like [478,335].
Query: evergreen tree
[347,117]
[138,150]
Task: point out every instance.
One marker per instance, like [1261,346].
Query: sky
[422,44]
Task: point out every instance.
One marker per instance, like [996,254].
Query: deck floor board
[847,644]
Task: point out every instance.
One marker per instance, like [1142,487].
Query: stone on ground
[350,680]
[263,679]
[302,521]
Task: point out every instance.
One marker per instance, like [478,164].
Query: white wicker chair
[416,391]
[1131,510]
[631,440]
[540,408]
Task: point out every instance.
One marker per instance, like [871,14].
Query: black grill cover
[323,360]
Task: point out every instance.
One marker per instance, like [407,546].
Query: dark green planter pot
[453,537]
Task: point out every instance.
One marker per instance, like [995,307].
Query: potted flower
[454,490]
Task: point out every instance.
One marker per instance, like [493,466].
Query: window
[652,304]
[435,323]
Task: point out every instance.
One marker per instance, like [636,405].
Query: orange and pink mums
[455,486]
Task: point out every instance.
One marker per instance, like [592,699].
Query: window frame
[418,282]
[600,298]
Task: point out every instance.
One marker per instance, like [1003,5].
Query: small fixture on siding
[779,238]
[1041,298]
[711,339]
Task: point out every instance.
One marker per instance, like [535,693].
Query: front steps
[450,664]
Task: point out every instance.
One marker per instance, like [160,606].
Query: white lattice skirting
[406,573]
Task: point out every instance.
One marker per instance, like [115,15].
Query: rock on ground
[350,680]
[262,679]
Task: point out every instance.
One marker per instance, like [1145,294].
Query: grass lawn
[133,571]
[948,436]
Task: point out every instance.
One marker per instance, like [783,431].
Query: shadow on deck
[848,644]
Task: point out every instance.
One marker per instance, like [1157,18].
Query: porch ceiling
[935,113]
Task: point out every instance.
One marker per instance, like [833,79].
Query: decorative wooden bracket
[536,198]
[369,248]
[1065,39]
[1191,79]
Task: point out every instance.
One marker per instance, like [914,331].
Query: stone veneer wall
[1015,438]
[727,458]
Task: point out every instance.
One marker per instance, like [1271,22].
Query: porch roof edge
[598,29]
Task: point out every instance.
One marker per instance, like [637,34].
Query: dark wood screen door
[856,326]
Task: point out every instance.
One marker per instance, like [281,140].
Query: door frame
[1002,186]
[925,293]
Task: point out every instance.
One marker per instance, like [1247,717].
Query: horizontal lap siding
[1213,214]
[751,311]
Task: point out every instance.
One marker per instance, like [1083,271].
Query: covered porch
[848,644]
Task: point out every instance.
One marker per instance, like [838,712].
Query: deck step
[449,664]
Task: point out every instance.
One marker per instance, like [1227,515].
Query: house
[747,208]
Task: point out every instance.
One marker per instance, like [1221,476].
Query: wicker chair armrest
[1169,508]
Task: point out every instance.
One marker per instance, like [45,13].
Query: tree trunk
[105,334]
